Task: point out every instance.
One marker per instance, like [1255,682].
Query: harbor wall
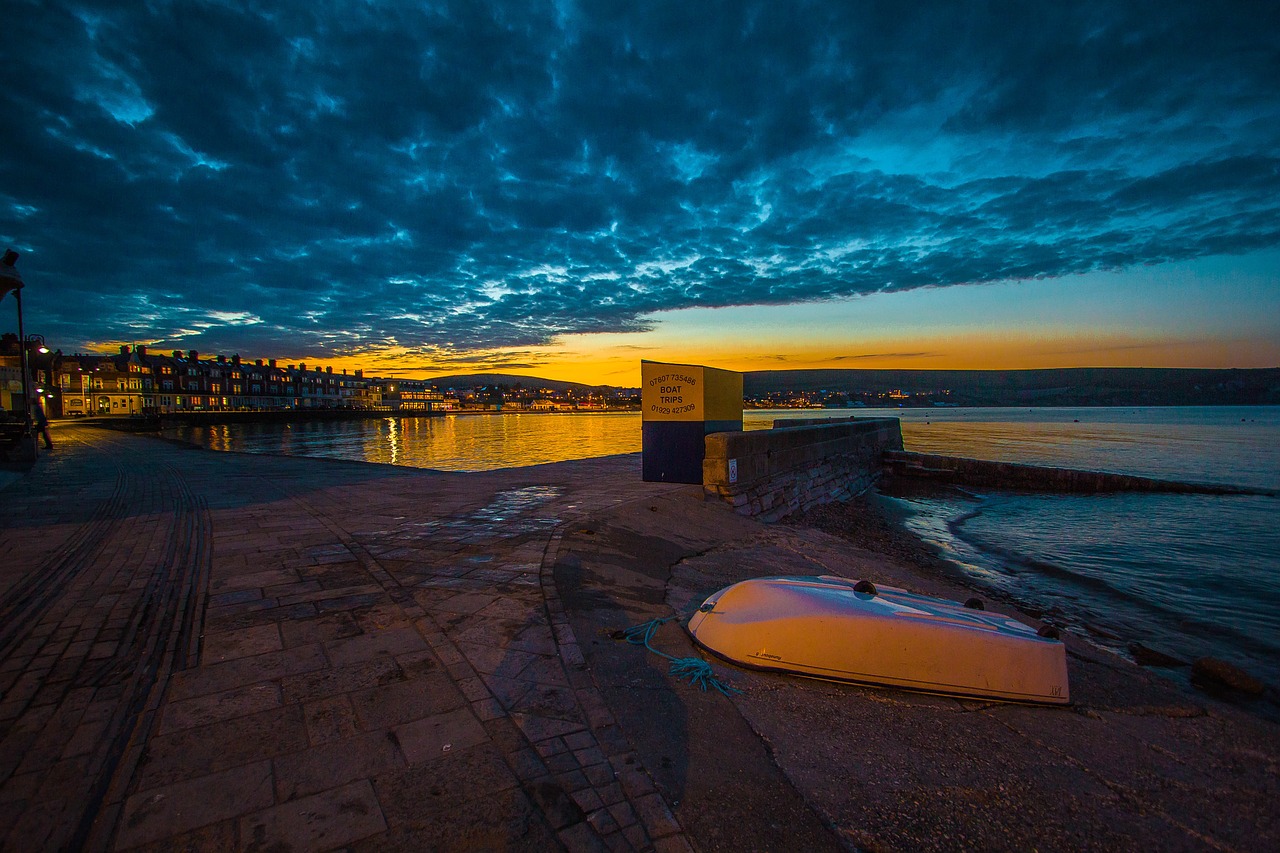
[982,473]
[169,420]
[774,473]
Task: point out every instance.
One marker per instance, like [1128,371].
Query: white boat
[837,629]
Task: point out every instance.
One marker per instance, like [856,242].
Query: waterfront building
[411,395]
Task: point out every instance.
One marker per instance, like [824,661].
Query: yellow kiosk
[683,403]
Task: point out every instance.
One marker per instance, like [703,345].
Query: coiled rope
[698,671]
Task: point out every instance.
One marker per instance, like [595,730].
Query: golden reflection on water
[452,442]
[485,442]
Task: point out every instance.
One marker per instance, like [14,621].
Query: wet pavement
[218,651]
[222,651]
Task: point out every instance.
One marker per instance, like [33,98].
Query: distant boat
[835,629]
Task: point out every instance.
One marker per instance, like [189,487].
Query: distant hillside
[1077,386]
[471,380]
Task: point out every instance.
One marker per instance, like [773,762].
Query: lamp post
[36,343]
[11,279]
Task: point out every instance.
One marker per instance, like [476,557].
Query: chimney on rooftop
[222,359]
[271,362]
[235,358]
[177,353]
[141,350]
[258,362]
[302,365]
[193,355]
[124,349]
[331,369]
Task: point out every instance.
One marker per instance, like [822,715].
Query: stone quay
[219,651]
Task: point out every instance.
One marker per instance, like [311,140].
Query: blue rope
[697,670]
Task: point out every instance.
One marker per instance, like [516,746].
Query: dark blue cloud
[332,177]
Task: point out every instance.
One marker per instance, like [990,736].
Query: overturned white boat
[834,628]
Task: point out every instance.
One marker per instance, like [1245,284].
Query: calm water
[1187,574]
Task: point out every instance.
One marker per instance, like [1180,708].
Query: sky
[562,189]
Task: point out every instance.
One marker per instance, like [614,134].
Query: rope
[697,670]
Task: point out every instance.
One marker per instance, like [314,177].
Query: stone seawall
[773,473]
[959,471]
[169,420]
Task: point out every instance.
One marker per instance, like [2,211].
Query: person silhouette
[42,426]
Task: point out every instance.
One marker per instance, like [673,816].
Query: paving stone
[210,708]
[580,740]
[286,590]
[428,739]
[526,764]
[562,763]
[581,838]
[587,799]
[622,813]
[372,645]
[329,626]
[466,603]
[223,620]
[506,820]
[323,821]
[348,602]
[600,775]
[243,643]
[228,582]
[331,681]
[240,596]
[330,765]
[557,806]
[42,822]
[638,838]
[538,728]
[216,836]
[162,812]
[600,819]
[548,701]
[192,752]
[552,746]
[418,664]
[656,817]
[436,786]
[401,702]
[330,719]
[242,672]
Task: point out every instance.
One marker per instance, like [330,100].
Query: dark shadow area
[718,776]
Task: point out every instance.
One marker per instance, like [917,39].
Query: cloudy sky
[563,188]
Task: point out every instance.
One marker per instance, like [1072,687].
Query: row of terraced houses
[136,382]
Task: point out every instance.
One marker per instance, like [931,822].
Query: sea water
[1189,575]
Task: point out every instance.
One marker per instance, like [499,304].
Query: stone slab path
[223,651]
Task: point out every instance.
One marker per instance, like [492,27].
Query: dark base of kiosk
[674,450]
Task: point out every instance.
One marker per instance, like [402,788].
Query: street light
[11,279]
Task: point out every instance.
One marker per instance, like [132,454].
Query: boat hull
[825,628]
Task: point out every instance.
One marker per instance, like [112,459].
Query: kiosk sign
[681,404]
[674,395]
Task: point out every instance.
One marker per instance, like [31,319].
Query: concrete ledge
[773,473]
